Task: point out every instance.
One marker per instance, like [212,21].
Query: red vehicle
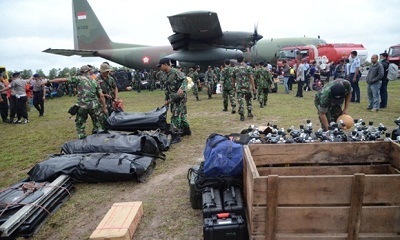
[394,54]
[323,53]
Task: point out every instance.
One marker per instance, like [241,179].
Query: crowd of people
[239,82]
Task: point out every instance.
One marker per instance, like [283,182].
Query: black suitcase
[233,201]
[225,226]
[195,194]
[212,203]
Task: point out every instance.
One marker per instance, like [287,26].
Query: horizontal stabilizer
[70,52]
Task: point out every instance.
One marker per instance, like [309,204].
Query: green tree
[53,73]
[64,73]
[26,73]
[40,72]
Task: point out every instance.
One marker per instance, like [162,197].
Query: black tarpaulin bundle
[94,167]
[131,121]
[143,144]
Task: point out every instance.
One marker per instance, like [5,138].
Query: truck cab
[394,54]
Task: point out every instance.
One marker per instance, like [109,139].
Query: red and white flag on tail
[81,15]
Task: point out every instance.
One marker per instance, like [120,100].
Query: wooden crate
[323,190]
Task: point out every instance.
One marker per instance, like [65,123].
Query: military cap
[85,68]
[16,74]
[338,93]
[163,61]
[104,67]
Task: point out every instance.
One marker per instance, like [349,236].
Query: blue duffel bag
[222,157]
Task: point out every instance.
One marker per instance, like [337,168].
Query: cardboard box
[120,222]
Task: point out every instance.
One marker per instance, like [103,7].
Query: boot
[249,114]
[261,105]
[186,131]
[233,111]
[265,103]
[197,98]
[225,109]
[241,117]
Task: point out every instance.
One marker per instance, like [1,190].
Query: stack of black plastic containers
[221,200]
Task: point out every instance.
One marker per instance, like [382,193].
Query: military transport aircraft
[197,39]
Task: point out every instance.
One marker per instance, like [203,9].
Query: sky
[31,26]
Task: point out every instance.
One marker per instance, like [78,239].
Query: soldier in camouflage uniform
[227,87]
[264,78]
[209,79]
[217,77]
[138,82]
[176,97]
[89,93]
[329,101]
[194,75]
[160,76]
[152,76]
[244,83]
[108,86]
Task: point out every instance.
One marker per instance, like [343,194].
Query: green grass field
[168,214]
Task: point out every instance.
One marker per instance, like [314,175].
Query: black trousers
[4,107]
[13,107]
[21,107]
[300,89]
[38,101]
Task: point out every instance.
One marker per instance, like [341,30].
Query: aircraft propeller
[256,37]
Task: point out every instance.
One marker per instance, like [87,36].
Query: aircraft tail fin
[89,34]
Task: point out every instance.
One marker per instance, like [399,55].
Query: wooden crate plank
[249,174]
[395,155]
[382,189]
[272,204]
[324,170]
[393,170]
[328,220]
[382,219]
[313,190]
[357,195]
[303,220]
[339,153]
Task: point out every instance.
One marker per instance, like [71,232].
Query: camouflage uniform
[227,88]
[160,76]
[174,82]
[241,75]
[152,78]
[108,86]
[264,82]
[88,91]
[323,100]
[194,75]
[138,82]
[209,80]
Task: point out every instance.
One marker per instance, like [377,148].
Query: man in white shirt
[354,77]
[300,79]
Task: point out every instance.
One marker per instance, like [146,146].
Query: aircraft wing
[71,52]
[197,24]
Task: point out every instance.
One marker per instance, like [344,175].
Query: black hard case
[212,203]
[233,201]
[230,227]
[195,195]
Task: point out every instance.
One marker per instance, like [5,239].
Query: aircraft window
[394,52]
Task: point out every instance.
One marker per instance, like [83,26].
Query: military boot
[233,111]
[265,102]
[197,98]
[249,114]
[261,105]
[186,131]
[241,117]
[225,109]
